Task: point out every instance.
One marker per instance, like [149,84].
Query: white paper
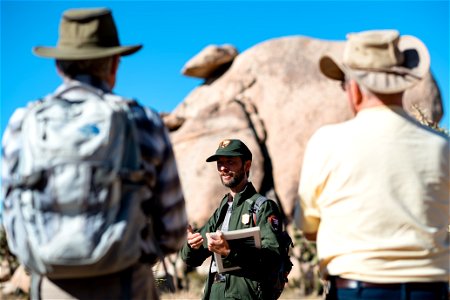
[253,234]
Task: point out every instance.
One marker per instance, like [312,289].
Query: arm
[310,236]
[312,182]
[195,252]
[167,205]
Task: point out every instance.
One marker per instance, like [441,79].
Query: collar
[395,108]
[245,194]
[383,109]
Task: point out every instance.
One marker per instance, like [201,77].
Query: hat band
[80,45]
[397,70]
[72,42]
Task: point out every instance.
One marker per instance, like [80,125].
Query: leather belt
[342,283]
[219,278]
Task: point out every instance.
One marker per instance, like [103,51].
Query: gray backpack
[74,208]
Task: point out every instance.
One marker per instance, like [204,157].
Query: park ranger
[234,160]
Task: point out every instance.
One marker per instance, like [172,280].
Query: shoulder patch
[274,222]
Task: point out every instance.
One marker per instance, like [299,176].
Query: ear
[356,95]
[247,165]
[115,64]
[113,71]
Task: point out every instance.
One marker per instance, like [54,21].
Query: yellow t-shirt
[376,189]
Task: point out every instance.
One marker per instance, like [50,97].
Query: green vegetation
[420,116]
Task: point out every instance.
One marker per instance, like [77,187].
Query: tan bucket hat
[86,34]
[380,60]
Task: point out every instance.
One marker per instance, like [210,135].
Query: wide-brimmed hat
[231,148]
[380,60]
[86,34]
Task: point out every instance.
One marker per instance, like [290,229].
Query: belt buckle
[218,277]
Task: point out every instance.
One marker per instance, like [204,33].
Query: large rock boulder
[210,61]
[273,97]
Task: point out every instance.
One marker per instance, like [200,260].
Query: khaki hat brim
[331,68]
[84,53]
[387,81]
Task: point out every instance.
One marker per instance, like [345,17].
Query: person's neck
[372,101]
[91,80]
[239,188]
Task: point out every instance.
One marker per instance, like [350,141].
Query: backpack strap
[255,206]
[259,202]
[220,213]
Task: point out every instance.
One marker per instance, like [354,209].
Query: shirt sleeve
[168,203]
[311,186]
[195,257]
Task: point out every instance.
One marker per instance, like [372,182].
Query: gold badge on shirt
[245,219]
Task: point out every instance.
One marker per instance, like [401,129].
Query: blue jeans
[402,291]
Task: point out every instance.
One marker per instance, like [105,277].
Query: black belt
[219,278]
[342,283]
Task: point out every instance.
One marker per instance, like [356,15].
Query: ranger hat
[380,60]
[231,148]
[86,34]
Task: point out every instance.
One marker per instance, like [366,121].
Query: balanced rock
[213,60]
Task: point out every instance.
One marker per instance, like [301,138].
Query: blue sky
[174,31]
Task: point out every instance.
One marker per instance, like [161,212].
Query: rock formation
[209,61]
[273,97]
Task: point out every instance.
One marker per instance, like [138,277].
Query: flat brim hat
[231,148]
[380,60]
[86,34]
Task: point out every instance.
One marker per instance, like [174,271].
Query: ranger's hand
[217,243]
[194,239]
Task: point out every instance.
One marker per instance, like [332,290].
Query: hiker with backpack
[257,268]
[91,190]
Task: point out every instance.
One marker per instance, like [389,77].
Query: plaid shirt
[158,157]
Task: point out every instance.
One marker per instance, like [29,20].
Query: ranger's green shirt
[247,283]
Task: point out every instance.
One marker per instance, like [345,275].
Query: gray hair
[99,67]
